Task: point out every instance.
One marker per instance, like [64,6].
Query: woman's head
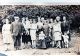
[34,21]
[58,18]
[7,21]
[16,18]
[41,32]
[64,18]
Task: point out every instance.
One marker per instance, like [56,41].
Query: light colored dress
[6,33]
[41,36]
[65,37]
[42,40]
[57,31]
[33,29]
[27,26]
[40,25]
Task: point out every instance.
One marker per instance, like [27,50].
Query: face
[42,19]
[45,21]
[64,18]
[65,33]
[58,18]
[30,20]
[26,32]
[41,32]
[51,20]
[23,19]
[7,21]
[16,19]
[34,21]
[26,18]
[38,19]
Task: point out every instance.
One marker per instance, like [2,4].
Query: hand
[21,33]
[12,34]
[67,32]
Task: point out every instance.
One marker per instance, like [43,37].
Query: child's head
[41,32]
[27,32]
[65,33]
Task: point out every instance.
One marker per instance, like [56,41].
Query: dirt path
[72,50]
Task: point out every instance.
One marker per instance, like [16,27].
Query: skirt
[57,36]
[41,44]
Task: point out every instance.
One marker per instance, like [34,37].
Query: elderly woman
[7,37]
[57,32]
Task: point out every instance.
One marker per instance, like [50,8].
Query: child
[42,40]
[26,40]
[66,42]
[29,41]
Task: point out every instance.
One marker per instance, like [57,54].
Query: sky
[39,2]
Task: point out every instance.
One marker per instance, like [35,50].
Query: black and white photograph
[39,29]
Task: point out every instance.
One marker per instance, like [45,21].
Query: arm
[12,28]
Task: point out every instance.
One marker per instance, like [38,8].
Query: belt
[57,31]
[33,29]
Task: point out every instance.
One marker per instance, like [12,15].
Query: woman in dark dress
[26,39]
[29,41]
[65,28]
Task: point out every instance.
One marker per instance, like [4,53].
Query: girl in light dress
[42,40]
[7,37]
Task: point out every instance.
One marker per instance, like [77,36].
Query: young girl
[66,42]
[7,37]
[42,40]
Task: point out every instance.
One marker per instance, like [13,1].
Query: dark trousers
[17,40]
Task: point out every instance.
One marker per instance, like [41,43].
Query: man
[16,29]
[39,25]
[46,28]
[46,32]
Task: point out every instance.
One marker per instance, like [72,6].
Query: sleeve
[22,28]
[3,29]
[12,28]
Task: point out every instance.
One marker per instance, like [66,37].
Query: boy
[66,42]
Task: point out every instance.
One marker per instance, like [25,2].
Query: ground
[74,48]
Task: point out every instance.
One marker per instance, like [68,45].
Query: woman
[7,37]
[26,39]
[33,30]
[46,28]
[57,32]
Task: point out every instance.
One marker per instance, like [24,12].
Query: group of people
[36,33]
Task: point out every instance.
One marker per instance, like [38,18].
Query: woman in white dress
[33,30]
[7,37]
[57,32]
[27,25]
